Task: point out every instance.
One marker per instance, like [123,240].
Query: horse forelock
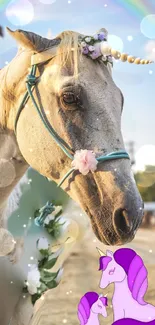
[103,262]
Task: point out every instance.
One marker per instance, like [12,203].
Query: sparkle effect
[130,38]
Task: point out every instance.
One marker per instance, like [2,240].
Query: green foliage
[146,183]
[54,226]
[50,263]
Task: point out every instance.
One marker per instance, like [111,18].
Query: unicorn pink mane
[85,305]
[137,275]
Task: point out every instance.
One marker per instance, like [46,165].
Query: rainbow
[3,3]
[138,8]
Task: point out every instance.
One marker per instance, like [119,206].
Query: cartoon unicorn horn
[100,252]
[106,49]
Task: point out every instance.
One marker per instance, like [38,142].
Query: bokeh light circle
[20,12]
[47,2]
[145,165]
[147,26]
[115,42]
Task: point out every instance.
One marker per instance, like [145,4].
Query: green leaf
[42,288]
[35,297]
[42,262]
[48,276]
[50,263]
[53,284]
[44,252]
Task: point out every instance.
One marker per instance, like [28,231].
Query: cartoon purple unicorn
[126,270]
[90,306]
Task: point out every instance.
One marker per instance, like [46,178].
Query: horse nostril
[122,224]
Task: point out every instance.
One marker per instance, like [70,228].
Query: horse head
[82,108]
[99,307]
[125,264]
[111,271]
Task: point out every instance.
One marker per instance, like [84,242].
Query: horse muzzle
[115,210]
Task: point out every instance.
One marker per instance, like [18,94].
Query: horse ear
[32,41]
[109,253]
[23,38]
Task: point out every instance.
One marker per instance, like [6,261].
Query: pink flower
[84,161]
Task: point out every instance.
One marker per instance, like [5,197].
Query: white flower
[96,37]
[104,58]
[33,280]
[42,243]
[83,44]
[59,276]
[91,48]
[88,39]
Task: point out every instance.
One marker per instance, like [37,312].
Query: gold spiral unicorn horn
[131,59]
[106,49]
[100,252]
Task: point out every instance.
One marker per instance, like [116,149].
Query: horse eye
[100,306]
[69,98]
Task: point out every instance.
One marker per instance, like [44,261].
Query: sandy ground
[81,275]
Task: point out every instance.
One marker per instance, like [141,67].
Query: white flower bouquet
[40,278]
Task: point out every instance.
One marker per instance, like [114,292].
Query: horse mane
[65,42]
[103,262]
[137,274]
[68,51]
[85,305]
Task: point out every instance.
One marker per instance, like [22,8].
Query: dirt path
[81,275]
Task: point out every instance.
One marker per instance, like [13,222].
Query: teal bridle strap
[30,85]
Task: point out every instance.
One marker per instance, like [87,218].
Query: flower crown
[96,46]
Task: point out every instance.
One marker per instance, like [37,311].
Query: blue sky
[87,16]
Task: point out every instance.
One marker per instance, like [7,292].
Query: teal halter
[30,84]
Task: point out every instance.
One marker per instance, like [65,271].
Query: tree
[146,183]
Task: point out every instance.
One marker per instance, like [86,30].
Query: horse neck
[93,319]
[121,288]
[13,87]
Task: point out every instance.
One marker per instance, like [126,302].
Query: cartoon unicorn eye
[111,272]
[99,306]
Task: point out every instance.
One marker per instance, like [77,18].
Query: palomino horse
[74,99]
[126,270]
